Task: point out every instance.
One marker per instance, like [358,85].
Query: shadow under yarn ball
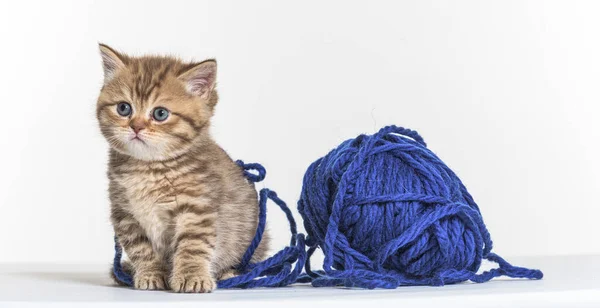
[386,211]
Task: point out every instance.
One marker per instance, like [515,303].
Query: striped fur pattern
[182,209]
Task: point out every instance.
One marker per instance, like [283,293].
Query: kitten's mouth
[138,139]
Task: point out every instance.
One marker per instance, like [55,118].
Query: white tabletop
[569,281]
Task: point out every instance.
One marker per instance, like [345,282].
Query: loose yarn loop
[387,212]
[278,270]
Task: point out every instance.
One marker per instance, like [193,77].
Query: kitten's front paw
[192,283]
[149,281]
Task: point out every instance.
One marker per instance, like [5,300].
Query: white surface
[569,282]
[506,92]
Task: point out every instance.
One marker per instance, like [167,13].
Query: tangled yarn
[387,212]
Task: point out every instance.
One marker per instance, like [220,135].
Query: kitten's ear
[200,78]
[112,62]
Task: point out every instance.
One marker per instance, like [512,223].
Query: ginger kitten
[182,209]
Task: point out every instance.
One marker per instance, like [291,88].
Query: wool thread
[387,212]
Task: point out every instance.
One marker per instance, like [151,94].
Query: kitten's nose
[137,125]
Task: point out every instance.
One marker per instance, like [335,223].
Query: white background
[506,92]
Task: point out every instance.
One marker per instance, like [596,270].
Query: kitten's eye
[160,114]
[123,109]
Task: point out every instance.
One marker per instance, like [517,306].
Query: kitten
[182,209]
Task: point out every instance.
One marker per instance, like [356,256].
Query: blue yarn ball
[386,211]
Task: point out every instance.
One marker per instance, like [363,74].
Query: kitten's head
[154,108]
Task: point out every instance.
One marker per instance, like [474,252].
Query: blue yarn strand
[385,211]
[118,271]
